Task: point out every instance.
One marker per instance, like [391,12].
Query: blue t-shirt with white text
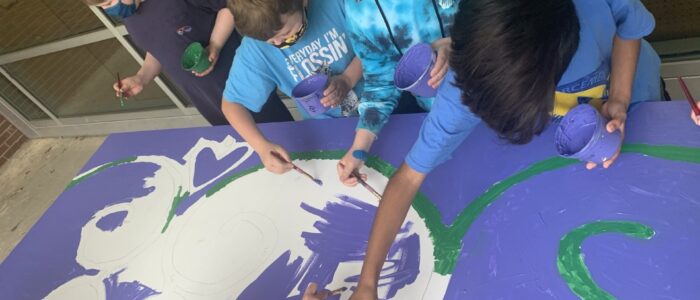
[258,67]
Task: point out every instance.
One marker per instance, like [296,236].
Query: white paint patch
[223,243]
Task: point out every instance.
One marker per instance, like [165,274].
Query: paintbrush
[121,93]
[302,172]
[356,174]
[688,96]
[338,291]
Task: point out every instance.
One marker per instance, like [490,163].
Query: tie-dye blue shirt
[380,32]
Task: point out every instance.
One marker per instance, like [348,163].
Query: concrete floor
[33,178]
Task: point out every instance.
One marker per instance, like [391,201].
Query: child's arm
[132,86]
[223,27]
[243,123]
[391,213]
[340,85]
[623,67]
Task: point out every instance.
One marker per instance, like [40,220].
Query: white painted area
[224,242]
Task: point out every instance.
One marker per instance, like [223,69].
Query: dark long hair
[508,56]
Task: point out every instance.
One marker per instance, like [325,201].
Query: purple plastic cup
[309,93]
[582,135]
[413,71]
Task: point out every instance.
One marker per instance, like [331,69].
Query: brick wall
[10,140]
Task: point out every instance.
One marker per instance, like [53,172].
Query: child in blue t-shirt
[510,59]
[286,42]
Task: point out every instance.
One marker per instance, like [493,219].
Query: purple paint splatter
[112,221]
[126,290]
[342,236]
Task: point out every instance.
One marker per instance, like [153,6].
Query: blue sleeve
[379,57]
[633,20]
[445,128]
[249,82]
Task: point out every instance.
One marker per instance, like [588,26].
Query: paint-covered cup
[582,134]
[309,92]
[413,70]
[195,58]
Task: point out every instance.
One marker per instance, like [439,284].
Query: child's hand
[443,47]
[213,57]
[131,86]
[338,88]
[272,163]
[695,117]
[364,293]
[616,111]
[312,294]
[345,167]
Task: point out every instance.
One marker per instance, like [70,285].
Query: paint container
[582,135]
[413,70]
[195,58]
[309,92]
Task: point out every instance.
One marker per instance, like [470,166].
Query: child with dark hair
[285,42]
[516,63]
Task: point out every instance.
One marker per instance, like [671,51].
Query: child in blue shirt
[569,51]
[381,32]
[285,42]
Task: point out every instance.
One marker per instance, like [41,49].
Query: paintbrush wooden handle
[688,96]
[374,192]
[279,156]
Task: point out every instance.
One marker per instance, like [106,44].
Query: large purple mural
[190,214]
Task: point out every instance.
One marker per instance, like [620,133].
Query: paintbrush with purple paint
[374,192]
[688,96]
[302,172]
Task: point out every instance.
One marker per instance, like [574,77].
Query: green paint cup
[195,58]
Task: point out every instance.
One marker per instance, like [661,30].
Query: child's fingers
[695,118]
[330,90]
[614,124]
[610,161]
[590,165]
[440,62]
[310,290]
[437,78]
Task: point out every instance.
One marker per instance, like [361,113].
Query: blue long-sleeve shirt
[380,32]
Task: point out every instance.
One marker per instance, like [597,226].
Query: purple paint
[277,281]
[343,231]
[413,70]
[582,134]
[309,93]
[45,259]
[112,221]
[510,252]
[134,290]
[208,166]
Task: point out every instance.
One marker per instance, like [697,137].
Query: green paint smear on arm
[176,202]
[570,259]
[99,169]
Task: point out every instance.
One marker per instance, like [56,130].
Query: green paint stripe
[677,153]
[173,207]
[99,169]
[570,260]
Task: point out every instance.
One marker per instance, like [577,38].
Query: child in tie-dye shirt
[381,31]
